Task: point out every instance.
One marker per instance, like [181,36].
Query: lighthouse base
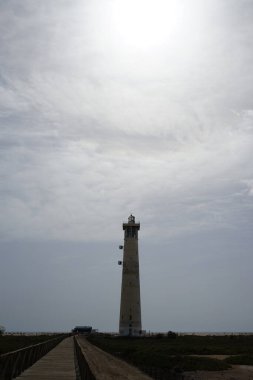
[130,331]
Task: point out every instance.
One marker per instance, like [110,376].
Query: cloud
[93,127]
[93,131]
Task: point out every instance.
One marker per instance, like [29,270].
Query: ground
[238,372]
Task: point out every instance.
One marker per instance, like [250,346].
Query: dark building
[82,330]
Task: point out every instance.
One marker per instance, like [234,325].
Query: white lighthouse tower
[130,306]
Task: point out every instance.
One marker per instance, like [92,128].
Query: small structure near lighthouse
[130,306]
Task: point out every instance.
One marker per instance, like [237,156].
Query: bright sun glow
[146,23]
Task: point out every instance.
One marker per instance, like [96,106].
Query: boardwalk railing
[15,362]
[84,369]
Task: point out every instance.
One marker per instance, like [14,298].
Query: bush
[171,335]
[159,335]
[240,359]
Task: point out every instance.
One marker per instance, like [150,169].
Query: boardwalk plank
[57,364]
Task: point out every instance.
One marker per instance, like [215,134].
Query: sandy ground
[237,372]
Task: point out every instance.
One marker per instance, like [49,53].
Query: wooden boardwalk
[57,364]
[107,367]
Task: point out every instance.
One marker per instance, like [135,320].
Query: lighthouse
[130,306]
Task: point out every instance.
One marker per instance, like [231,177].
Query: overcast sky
[112,107]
